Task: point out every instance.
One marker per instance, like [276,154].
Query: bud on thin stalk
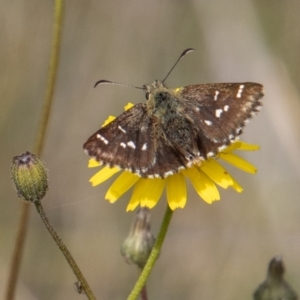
[137,246]
[29,176]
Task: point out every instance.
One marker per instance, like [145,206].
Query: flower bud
[275,286]
[137,246]
[29,176]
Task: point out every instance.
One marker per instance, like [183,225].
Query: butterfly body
[175,128]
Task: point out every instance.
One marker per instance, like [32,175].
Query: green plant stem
[84,285]
[38,147]
[52,75]
[153,255]
[17,252]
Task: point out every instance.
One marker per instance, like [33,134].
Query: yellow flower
[205,177]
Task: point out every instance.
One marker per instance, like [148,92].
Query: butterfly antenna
[116,83]
[186,51]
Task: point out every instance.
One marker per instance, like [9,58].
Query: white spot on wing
[218,112]
[144,147]
[131,144]
[123,145]
[226,107]
[168,174]
[221,148]
[207,122]
[240,91]
[216,95]
[102,138]
[210,154]
[122,129]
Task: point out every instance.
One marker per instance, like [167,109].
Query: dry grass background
[218,251]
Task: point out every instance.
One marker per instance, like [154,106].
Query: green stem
[38,148]
[52,74]
[84,285]
[153,255]
[17,252]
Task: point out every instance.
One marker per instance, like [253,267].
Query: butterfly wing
[219,112]
[167,160]
[131,142]
[126,142]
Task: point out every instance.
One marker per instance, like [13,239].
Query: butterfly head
[160,98]
[153,88]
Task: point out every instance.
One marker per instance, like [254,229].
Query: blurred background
[219,251]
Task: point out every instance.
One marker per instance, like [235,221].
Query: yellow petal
[120,186]
[146,192]
[203,185]
[133,203]
[104,174]
[232,147]
[178,90]
[236,186]
[128,105]
[238,162]
[248,147]
[217,173]
[93,163]
[108,120]
[111,118]
[176,191]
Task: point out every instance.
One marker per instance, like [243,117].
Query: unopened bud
[275,286]
[138,245]
[29,176]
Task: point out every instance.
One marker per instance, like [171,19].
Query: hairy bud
[137,246]
[29,176]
